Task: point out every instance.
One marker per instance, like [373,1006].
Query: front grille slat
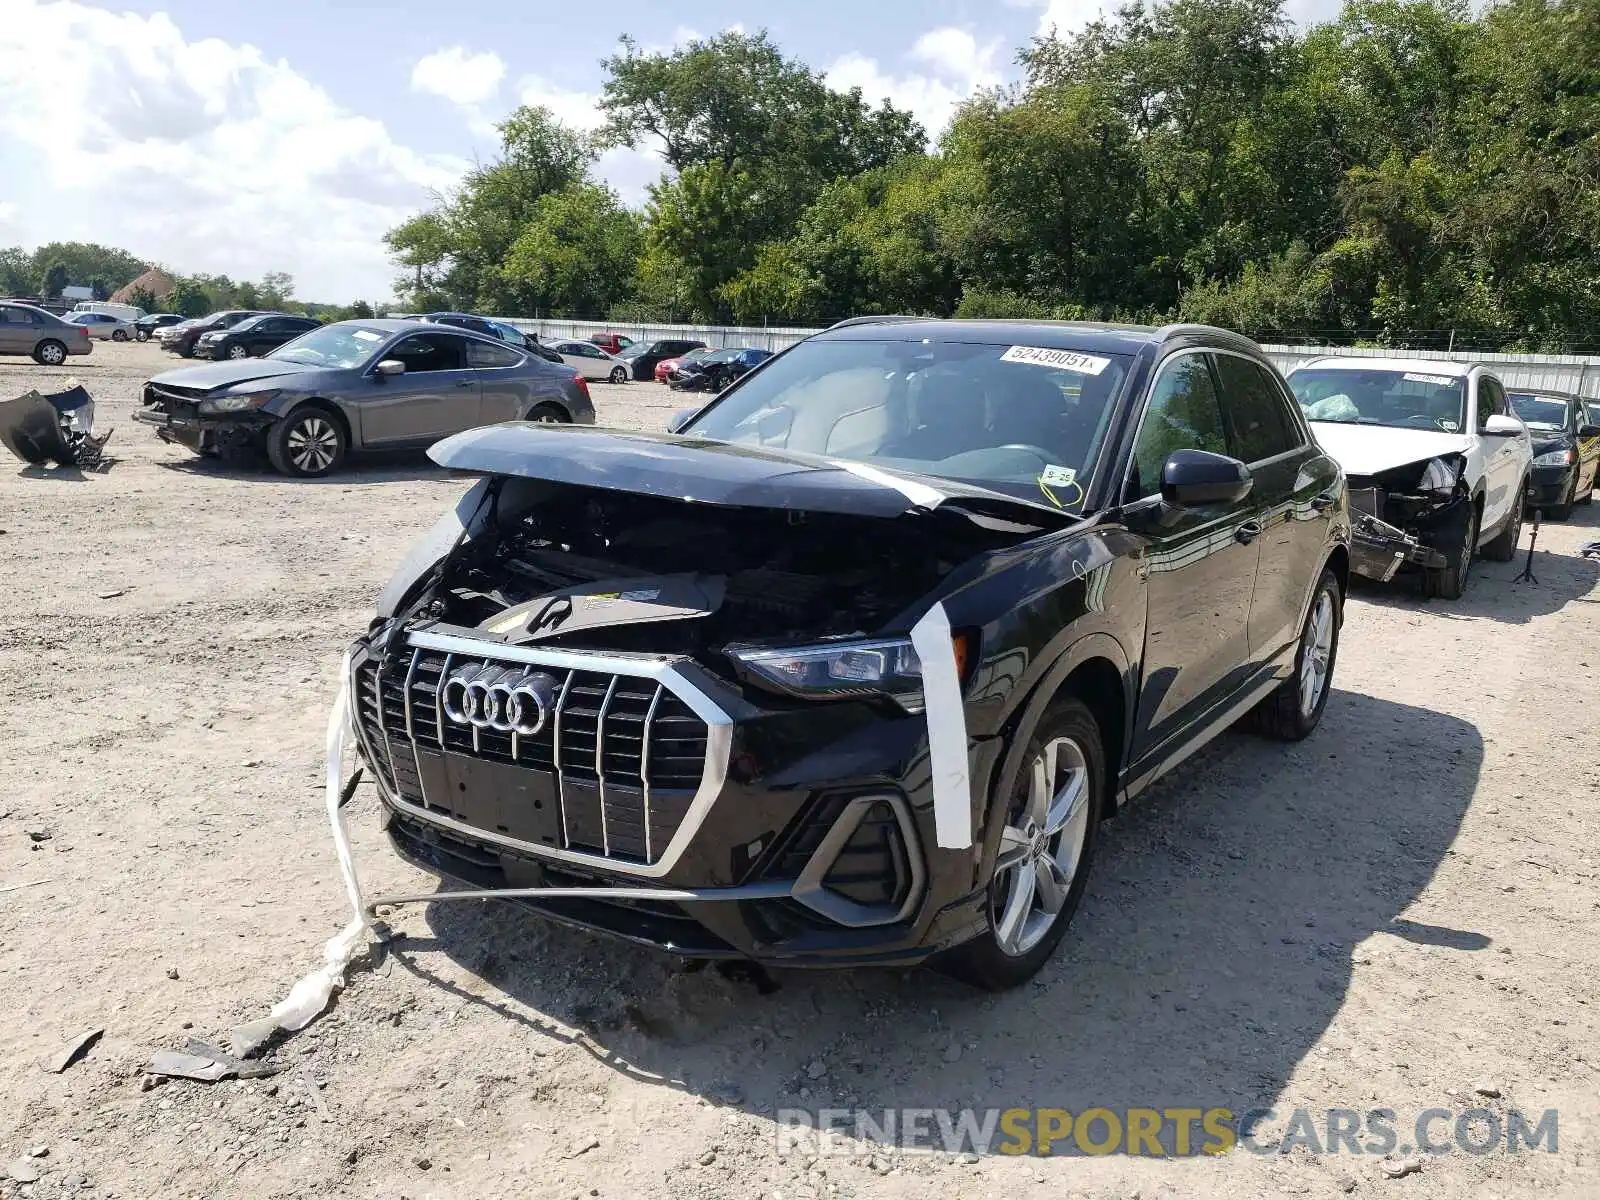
[625,754]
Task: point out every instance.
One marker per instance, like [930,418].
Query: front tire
[1295,708]
[1449,582]
[1560,512]
[140,335]
[308,443]
[1042,868]
[50,353]
[1504,546]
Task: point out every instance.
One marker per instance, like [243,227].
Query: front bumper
[804,839]
[1378,549]
[1550,486]
[183,424]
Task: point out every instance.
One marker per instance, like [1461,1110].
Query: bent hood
[226,374]
[1368,449]
[707,472]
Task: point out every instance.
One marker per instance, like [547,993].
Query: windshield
[1017,420]
[1540,412]
[1401,399]
[333,346]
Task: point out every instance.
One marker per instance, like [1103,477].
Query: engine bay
[715,574]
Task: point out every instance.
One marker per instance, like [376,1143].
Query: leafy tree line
[44,272]
[1406,173]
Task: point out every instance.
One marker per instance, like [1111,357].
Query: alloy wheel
[313,444]
[1316,656]
[1041,848]
[52,354]
[1468,546]
[237,351]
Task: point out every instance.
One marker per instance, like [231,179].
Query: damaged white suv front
[1438,465]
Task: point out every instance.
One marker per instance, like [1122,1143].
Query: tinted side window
[1491,398]
[1183,414]
[483,354]
[431,352]
[1259,425]
[16,316]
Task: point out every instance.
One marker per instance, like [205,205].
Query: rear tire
[236,351]
[307,444]
[1504,546]
[549,414]
[1042,868]
[119,335]
[1295,708]
[50,353]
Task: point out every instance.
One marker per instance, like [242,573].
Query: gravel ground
[1399,913]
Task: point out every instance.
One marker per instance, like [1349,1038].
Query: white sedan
[590,361]
[102,325]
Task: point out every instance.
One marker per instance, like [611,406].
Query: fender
[1094,645]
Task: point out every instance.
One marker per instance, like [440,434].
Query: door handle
[466,383]
[1248,532]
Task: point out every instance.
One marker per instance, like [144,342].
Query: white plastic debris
[310,995]
[947,729]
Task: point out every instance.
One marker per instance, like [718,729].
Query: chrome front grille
[628,755]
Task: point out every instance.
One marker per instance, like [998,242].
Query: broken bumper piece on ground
[56,428]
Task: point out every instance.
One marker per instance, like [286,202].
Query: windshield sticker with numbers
[1060,360]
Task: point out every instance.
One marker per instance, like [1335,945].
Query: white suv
[1438,465]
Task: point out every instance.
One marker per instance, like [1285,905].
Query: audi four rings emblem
[505,699]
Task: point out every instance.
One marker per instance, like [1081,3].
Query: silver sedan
[590,361]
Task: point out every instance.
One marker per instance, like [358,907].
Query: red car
[667,366]
[611,343]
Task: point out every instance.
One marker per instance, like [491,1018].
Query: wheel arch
[1095,670]
[327,406]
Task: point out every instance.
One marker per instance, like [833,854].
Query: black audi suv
[849,667]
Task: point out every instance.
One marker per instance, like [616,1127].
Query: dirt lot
[1400,913]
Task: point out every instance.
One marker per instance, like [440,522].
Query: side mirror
[1500,425]
[1589,431]
[1192,478]
[390,366]
[681,418]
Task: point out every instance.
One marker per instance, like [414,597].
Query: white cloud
[1064,17]
[203,155]
[458,76]
[956,66]
[628,172]
[580,110]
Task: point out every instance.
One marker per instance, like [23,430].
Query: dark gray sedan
[358,386]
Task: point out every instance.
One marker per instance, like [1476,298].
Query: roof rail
[884,319]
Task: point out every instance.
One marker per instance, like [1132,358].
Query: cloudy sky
[245,138]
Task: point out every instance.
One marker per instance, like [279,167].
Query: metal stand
[1527,575]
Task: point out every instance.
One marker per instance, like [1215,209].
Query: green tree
[577,253]
[53,280]
[145,299]
[17,275]
[189,299]
[275,290]
[87,261]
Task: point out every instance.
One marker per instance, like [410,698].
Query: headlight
[1440,476]
[1554,458]
[838,669]
[222,404]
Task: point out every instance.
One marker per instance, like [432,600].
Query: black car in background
[494,329]
[254,336]
[180,339]
[849,668]
[1566,450]
[642,357]
[144,328]
[713,372]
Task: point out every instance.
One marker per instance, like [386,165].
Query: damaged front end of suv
[1412,514]
[699,689]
